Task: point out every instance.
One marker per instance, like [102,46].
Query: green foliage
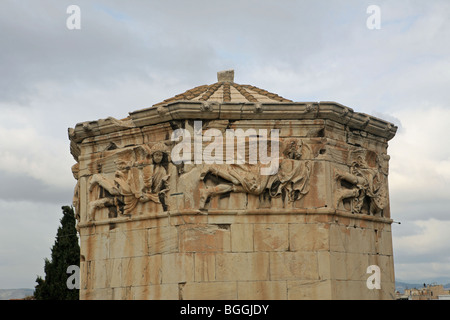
[65,252]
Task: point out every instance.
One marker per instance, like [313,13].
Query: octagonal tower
[228,191]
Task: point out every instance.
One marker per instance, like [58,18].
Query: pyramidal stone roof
[226,90]
[227,100]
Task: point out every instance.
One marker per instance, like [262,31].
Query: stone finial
[225,76]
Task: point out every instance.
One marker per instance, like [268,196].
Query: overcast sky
[129,55]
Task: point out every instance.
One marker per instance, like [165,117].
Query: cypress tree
[65,252]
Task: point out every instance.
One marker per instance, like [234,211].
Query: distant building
[428,292]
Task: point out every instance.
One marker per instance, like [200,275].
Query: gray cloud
[420,209]
[20,187]
[150,41]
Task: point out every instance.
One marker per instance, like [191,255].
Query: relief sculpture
[76,192]
[292,177]
[155,176]
[134,182]
[365,185]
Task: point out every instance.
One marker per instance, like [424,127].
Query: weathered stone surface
[162,240]
[242,266]
[153,292]
[309,237]
[262,290]
[309,290]
[348,266]
[271,237]
[94,246]
[204,238]
[141,271]
[209,291]
[128,244]
[294,266]
[177,267]
[242,237]
[205,269]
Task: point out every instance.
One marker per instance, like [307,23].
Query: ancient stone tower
[227,191]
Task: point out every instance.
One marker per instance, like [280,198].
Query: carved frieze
[125,181]
[328,157]
[364,186]
[137,179]
[290,180]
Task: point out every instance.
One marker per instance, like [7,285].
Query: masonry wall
[283,256]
